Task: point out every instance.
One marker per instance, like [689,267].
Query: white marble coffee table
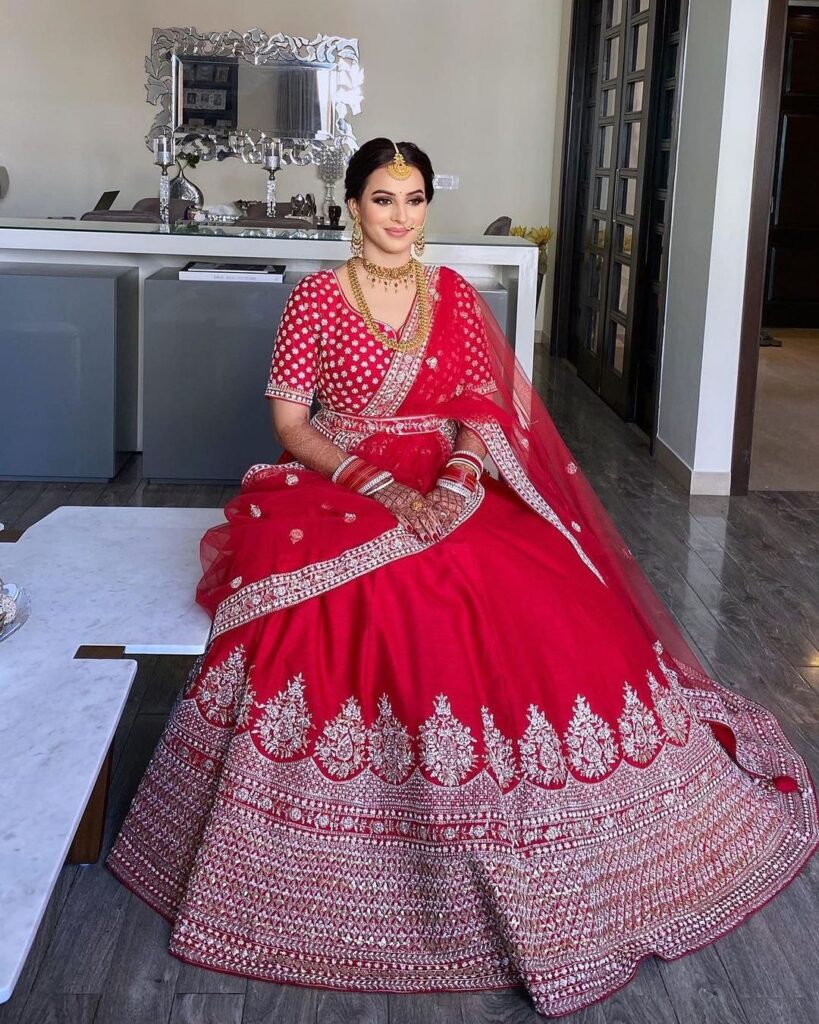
[118,577]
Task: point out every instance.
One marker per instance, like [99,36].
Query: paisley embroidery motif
[500,757]
[341,747]
[255,511]
[245,705]
[285,720]
[671,712]
[447,745]
[390,745]
[590,742]
[638,729]
[669,673]
[540,755]
[221,687]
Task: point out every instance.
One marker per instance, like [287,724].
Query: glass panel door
[613,203]
[605,87]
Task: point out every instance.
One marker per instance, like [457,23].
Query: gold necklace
[419,335]
[376,273]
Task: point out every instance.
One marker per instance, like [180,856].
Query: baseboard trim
[671,461]
[711,483]
[693,481]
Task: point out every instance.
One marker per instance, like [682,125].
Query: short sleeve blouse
[323,346]
[293,367]
[477,375]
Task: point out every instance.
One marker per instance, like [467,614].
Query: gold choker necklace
[387,275]
[419,335]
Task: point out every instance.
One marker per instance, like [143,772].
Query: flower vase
[183,188]
[542,264]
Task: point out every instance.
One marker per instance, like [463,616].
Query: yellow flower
[540,236]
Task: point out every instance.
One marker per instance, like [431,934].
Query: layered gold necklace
[419,335]
[388,275]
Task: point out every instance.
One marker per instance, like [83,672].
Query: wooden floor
[740,574]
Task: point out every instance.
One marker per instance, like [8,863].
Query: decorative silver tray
[22,599]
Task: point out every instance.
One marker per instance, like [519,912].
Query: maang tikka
[398,168]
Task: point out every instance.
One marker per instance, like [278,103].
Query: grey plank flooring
[739,574]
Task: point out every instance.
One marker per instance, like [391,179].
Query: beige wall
[475,84]
[709,238]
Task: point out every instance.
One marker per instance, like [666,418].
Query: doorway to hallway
[616,199]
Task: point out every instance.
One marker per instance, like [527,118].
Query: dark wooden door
[610,223]
[792,274]
[650,302]
[615,209]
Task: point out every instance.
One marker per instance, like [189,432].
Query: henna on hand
[446,503]
[399,499]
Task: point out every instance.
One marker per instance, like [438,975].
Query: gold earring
[419,242]
[357,239]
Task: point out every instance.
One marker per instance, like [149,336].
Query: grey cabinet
[68,370]
[207,351]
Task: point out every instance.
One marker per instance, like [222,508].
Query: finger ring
[416,505]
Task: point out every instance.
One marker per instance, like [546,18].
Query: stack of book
[232,272]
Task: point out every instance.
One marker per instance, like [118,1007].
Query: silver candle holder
[272,162]
[164,156]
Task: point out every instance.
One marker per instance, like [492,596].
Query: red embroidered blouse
[323,346]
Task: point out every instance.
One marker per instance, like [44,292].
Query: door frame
[759,224]
[567,207]
[559,342]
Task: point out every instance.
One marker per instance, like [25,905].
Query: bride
[444,735]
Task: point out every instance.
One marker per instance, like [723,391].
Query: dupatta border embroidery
[501,451]
[283,590]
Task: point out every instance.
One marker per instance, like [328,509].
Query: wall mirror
[227,91]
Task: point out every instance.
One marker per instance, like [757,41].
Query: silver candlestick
[331,166]
[271,161]
[164,156]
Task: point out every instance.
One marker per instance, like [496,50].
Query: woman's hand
[447,504]
[421,519]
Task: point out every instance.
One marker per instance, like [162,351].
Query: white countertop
[108,576]
[506,258]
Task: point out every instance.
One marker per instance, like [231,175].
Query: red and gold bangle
[450,485]
[465,453]
[343,465]
[359,475]
[460,470]
[467,464]
[464,478]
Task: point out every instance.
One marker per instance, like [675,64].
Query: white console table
[507,260]
[109,577]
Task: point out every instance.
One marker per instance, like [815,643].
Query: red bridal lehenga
[473,763]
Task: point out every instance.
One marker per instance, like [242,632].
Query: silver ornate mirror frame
[258,48]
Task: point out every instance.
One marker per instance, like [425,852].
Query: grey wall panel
[207,350]
[58,369]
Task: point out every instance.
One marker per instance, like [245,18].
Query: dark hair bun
[378,153]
